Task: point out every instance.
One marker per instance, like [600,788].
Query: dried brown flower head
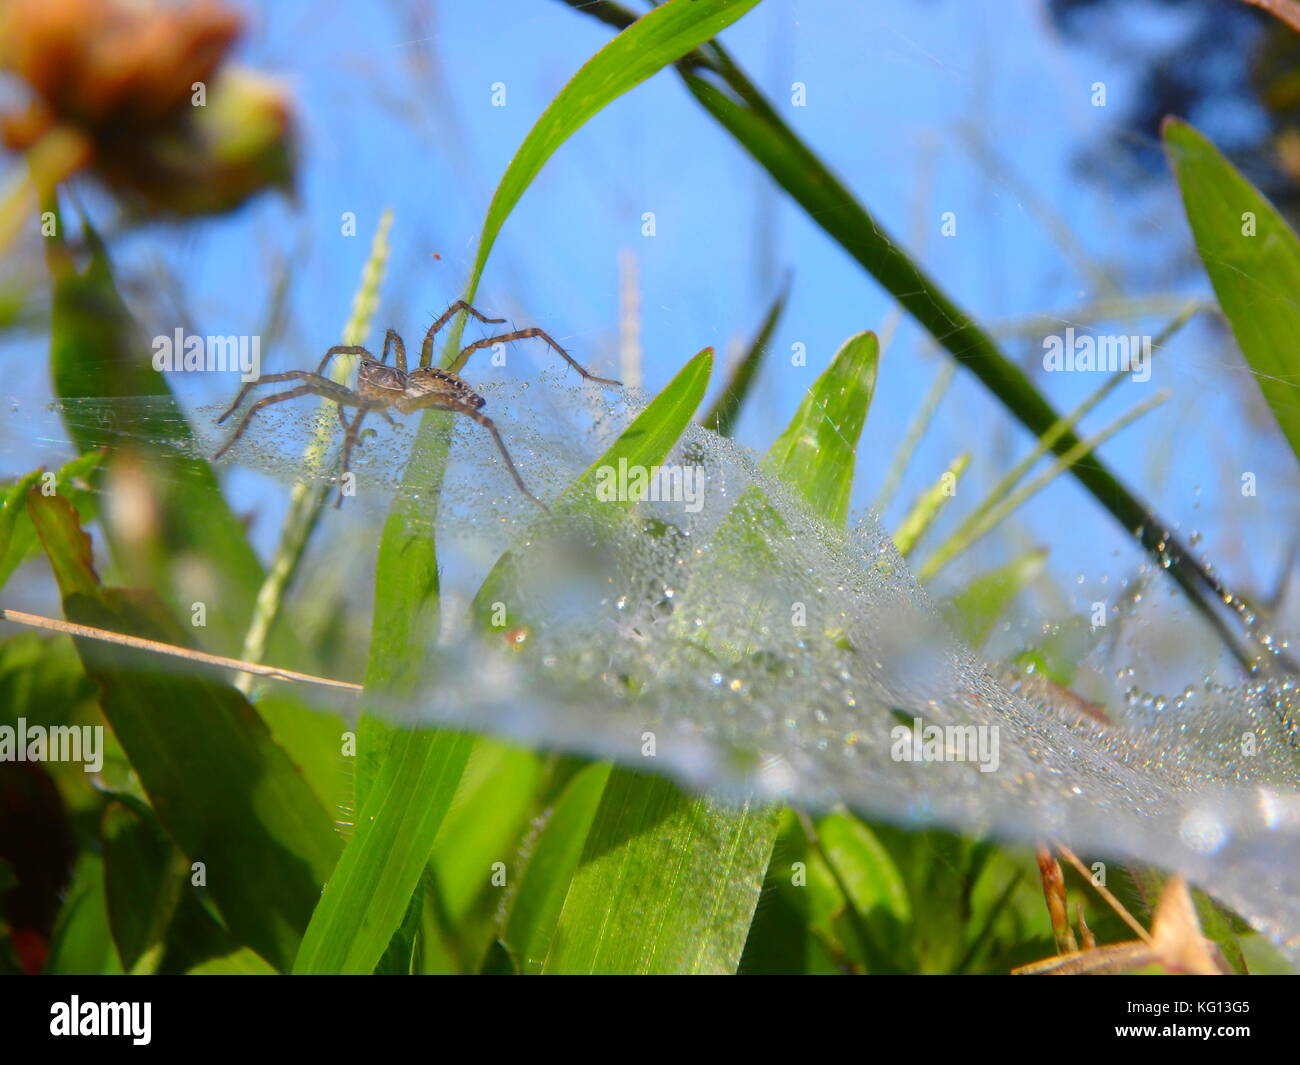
[137,92]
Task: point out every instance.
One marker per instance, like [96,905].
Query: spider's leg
[350,439]
[335,392]
[343,420]
[341,349]
[426,349]
[287,375]
[523,334]
[490,426]
[393,339]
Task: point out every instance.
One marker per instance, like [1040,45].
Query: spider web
[789,679]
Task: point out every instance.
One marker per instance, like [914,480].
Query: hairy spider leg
[426,349]
[350,438]
[488,424]
[341,349]
[393,339]
[343,419]
[315,387]
[333,387]
[524,334]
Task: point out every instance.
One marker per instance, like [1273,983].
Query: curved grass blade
[1253,259]
[656,40]
[668,881]
[226,794]
[496,799]
[646,442]
[405,779]
[817,451]
[857,896]
[82,943]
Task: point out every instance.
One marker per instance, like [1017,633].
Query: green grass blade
[646,442]
[656,40]
[1253,259]
[407,569]
[976,608]
[926,509]
[82,943]
[858,898]
[669,882]
[17,534]
[493,806]
[368,893]
[725,412]
[530,928]
[818,448]
[981,523]
[142,882]
[405,780]
[226,794]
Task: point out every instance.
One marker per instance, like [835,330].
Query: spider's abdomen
[430,383]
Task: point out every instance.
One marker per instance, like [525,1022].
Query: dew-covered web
[757,652]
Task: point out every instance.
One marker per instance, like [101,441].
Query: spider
[381,388]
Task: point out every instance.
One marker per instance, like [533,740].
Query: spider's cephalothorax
[381,388]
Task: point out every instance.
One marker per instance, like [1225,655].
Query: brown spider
[382,388]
